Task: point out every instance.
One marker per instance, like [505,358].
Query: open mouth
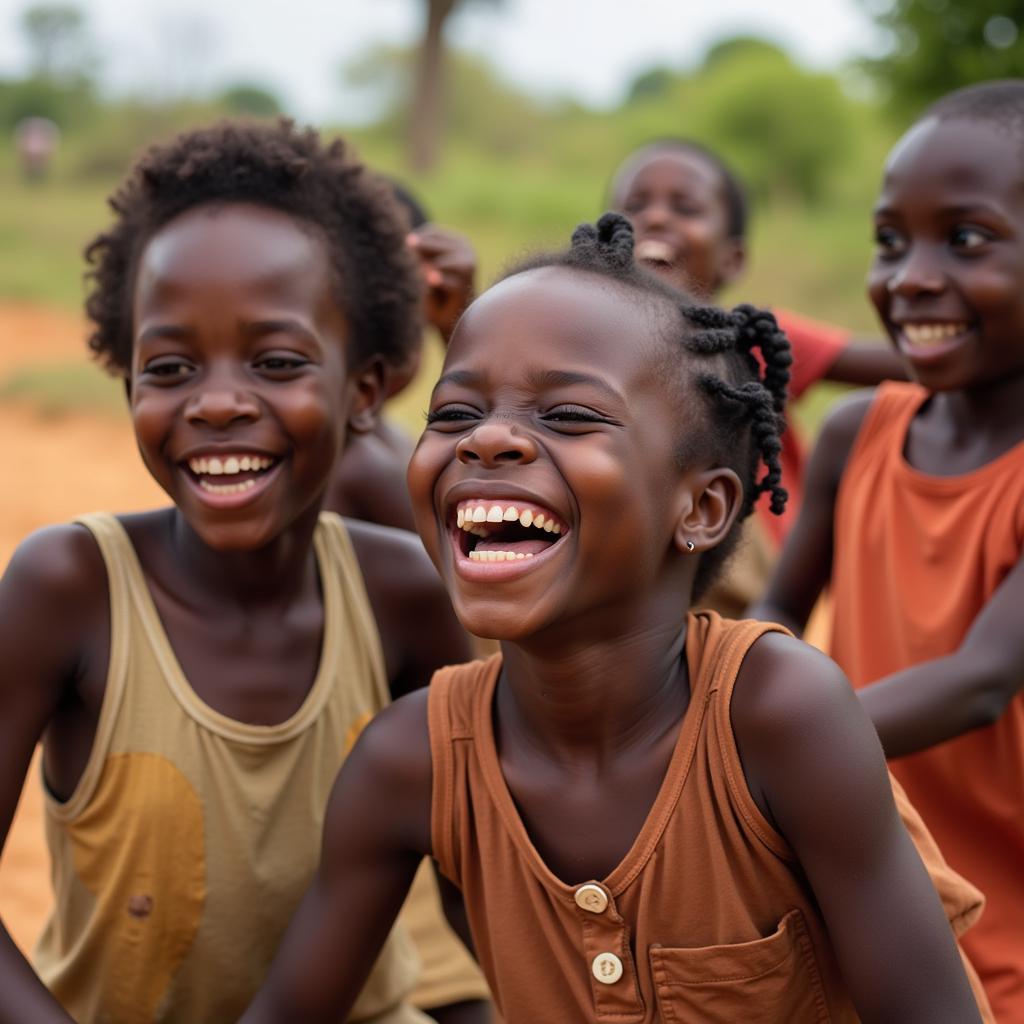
[931,337]
[487,531]
[653,250]
[231,475]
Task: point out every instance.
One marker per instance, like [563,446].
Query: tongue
[232,478]
[524,547]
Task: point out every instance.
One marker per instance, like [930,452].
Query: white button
[607,968]
[591,897]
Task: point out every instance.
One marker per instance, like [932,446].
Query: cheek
[432,455]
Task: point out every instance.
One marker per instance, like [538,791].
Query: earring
[690,546]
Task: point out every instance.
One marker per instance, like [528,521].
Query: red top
[917,557]
[816,346]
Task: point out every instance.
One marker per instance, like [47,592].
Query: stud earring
[690,546]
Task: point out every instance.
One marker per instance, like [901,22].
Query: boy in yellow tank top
[198,674]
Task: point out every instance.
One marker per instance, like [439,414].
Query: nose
[918,273]
[220,401]
[495,444]
[652,215]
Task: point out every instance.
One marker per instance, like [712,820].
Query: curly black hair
[744,406]
[285,168]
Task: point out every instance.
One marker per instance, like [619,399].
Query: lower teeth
[245,485]
[498,556]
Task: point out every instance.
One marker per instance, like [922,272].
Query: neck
[990,408]
[577,698]
[273,574]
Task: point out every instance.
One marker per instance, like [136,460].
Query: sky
[585,49]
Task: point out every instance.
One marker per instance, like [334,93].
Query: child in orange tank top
[652,816]
[916,501]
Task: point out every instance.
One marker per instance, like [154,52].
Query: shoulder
[61,565]
[792,712]
[393,562]
[369,481]
[840,431]
[391,767]
[783,686]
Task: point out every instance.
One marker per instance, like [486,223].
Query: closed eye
[453,414]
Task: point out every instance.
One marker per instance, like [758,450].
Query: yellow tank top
[191,837]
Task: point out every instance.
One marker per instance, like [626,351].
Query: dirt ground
[54,469]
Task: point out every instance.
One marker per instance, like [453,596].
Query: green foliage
[250,99]
[936,46]
[58,41]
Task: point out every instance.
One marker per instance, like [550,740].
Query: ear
[711,502]
[733,262]
[368,383]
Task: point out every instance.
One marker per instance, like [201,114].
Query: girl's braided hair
[744,422]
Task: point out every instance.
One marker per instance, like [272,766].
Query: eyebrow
[542,380]
[956,210]
[256,328]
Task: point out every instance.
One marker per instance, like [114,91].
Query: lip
[493,572]
[238,499]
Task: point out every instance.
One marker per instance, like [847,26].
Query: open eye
[968,237]
[888,241]
[168,369]
[278,364]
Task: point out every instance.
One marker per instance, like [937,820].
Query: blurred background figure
[36,140]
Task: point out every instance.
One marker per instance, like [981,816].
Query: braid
[745,406]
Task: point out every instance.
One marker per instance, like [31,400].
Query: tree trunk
[427,100]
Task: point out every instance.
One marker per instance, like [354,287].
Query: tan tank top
[707,918]
[191,837]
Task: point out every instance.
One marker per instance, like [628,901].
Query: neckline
[653,827]
[174,675]
[956,480]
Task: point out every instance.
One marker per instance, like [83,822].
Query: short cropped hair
[282,167]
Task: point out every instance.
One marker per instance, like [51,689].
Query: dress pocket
[768,981]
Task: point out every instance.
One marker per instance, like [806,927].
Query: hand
[448,267]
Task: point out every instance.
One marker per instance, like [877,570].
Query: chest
[255,667]
[584,822]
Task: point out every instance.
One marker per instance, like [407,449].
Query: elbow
[995,689]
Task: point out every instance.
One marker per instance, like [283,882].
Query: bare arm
[806,563]
[376,832]
[418,629]
[47,602]
[970,688]
[813,762]
[867,362]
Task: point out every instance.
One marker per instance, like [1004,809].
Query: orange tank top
[916,559]
[707,918]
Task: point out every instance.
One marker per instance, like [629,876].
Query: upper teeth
[228,465]
[470,514]
[652,249]
[925,334]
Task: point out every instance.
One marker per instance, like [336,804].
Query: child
[690,211]
[197,674]
[369,480]
[652,816]
[915,504]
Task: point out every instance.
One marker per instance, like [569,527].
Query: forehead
[237,244]
[666,169]
[955,162]
[560,319]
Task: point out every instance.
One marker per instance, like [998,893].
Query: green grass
[809,260]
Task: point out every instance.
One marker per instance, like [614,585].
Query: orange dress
[707,918]
[916,559]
